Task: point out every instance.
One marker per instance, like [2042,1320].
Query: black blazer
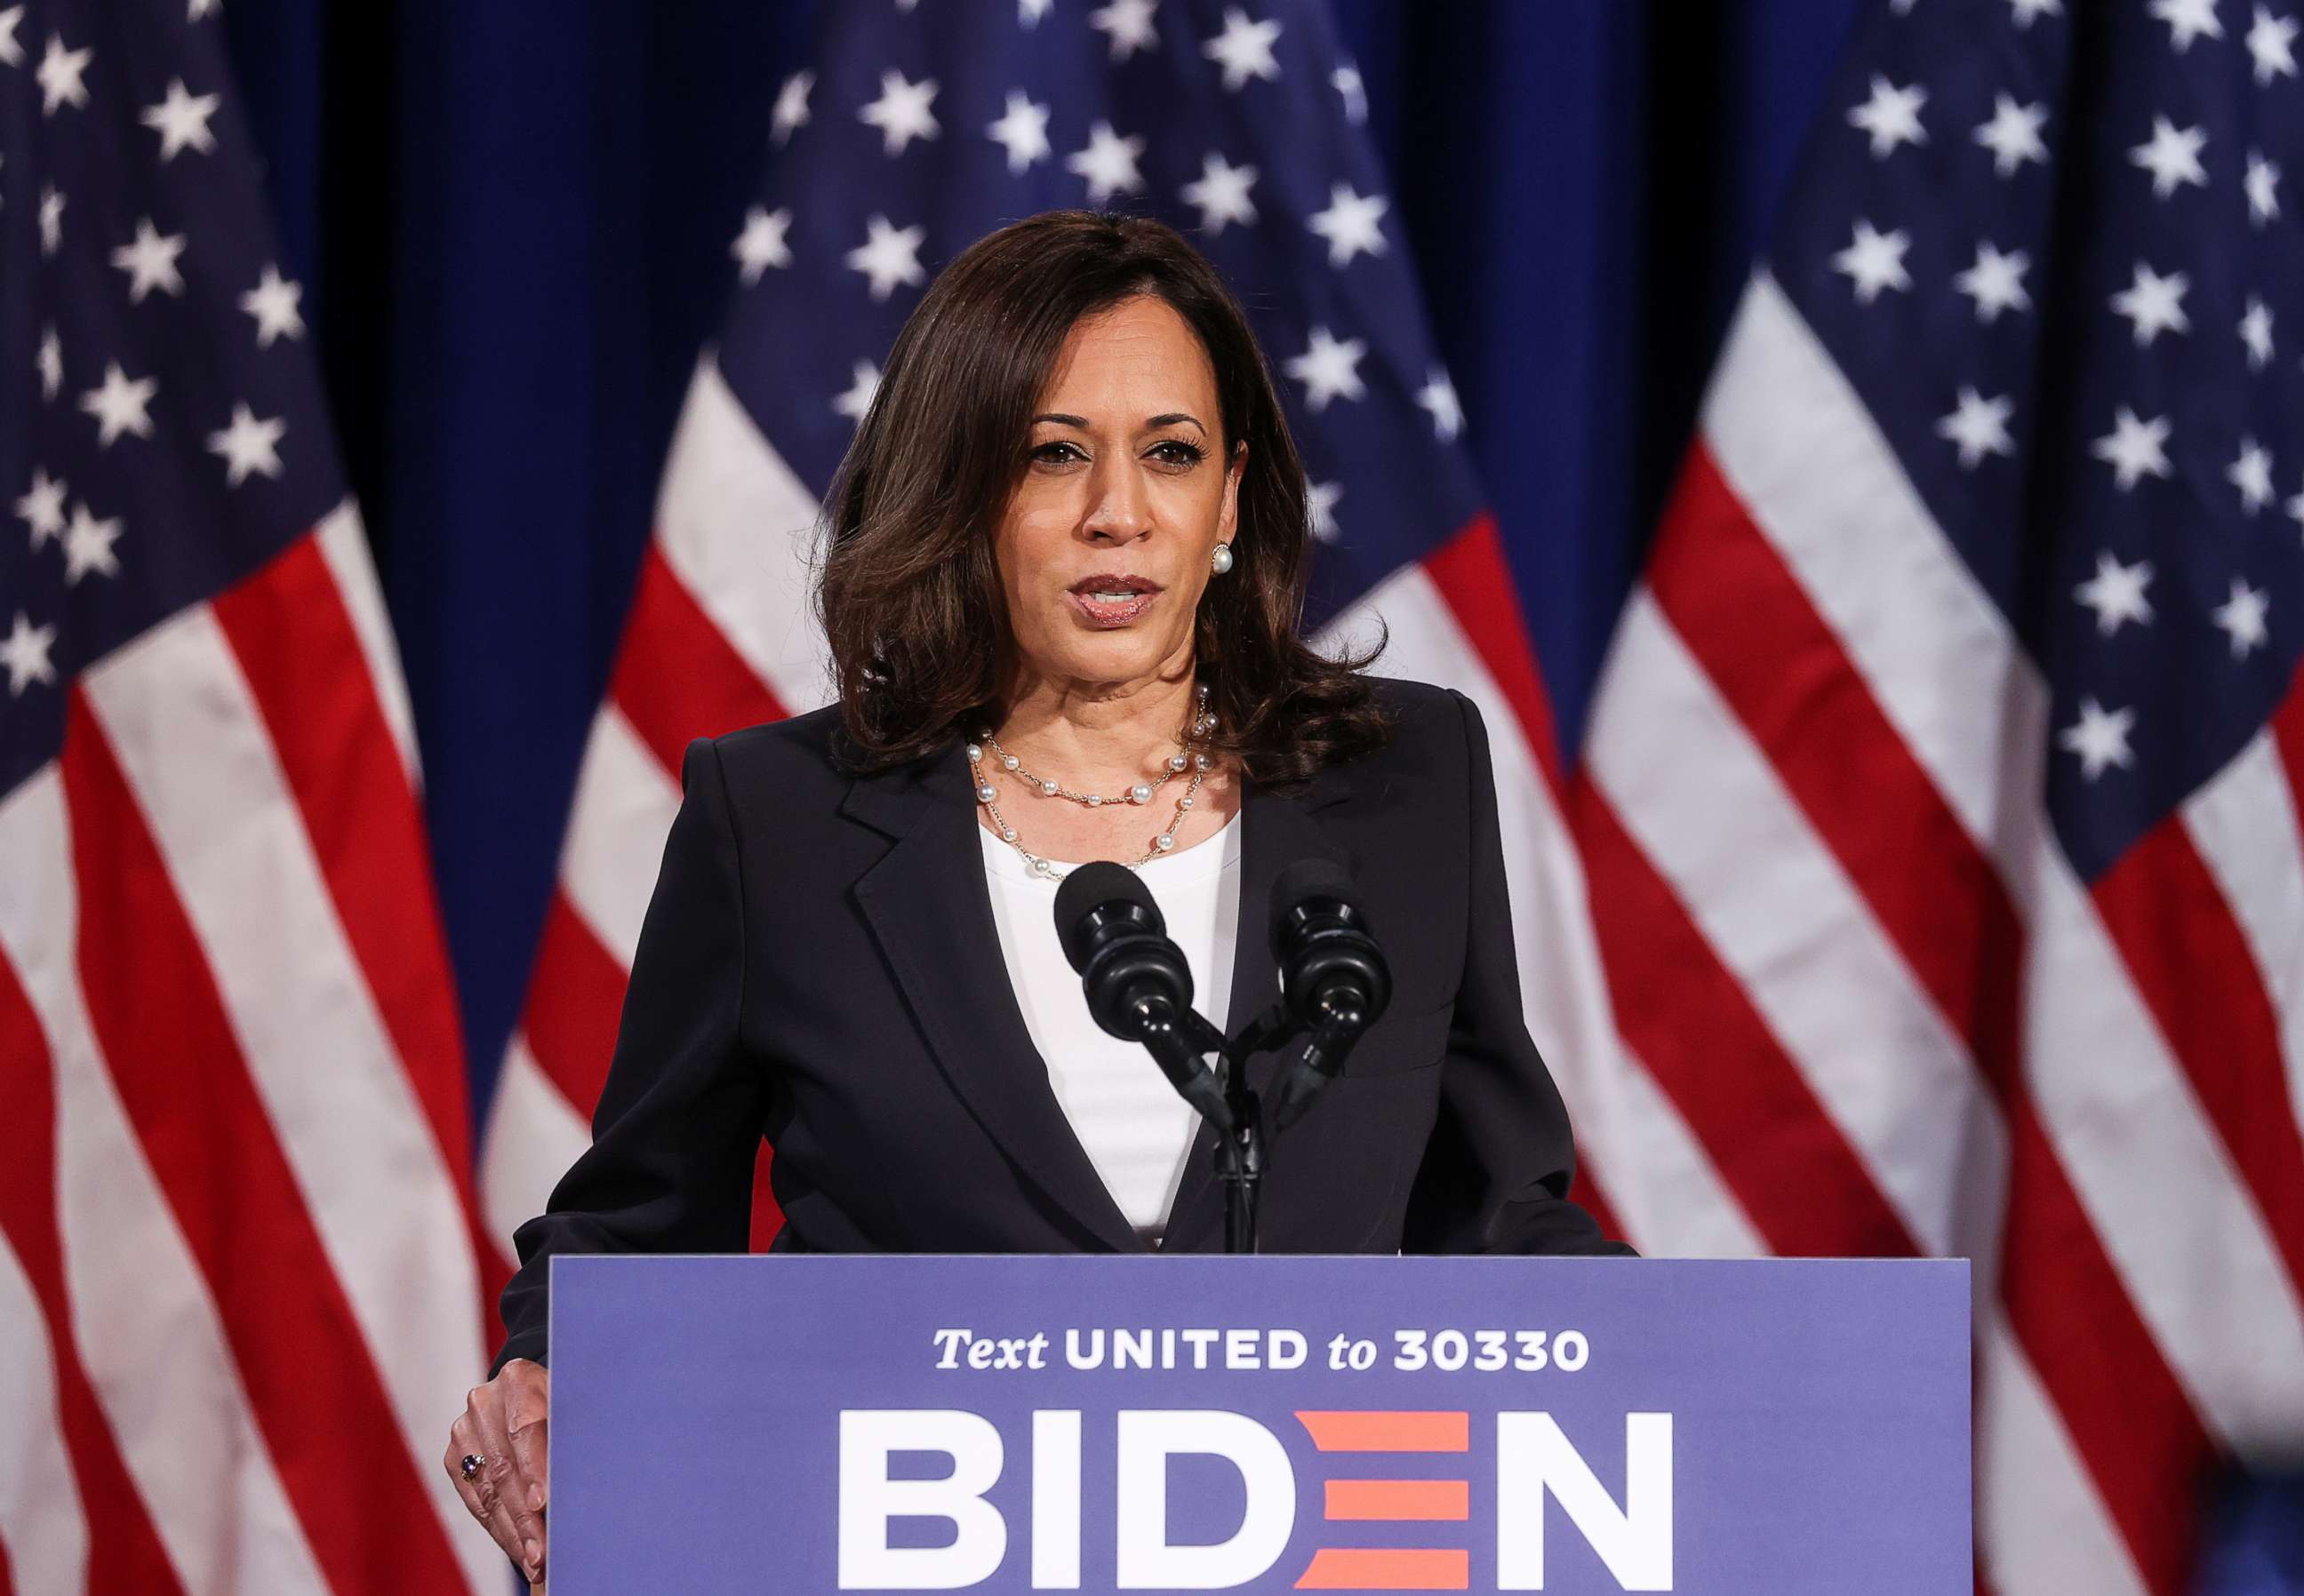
[820,966]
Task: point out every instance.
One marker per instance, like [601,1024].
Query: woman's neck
[1099,735]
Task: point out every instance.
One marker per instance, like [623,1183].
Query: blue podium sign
[806,1423]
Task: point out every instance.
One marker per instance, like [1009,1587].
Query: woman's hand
[504,1425]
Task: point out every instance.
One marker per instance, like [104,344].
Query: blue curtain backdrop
[513,221]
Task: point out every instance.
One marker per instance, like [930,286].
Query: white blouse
[1136,1129]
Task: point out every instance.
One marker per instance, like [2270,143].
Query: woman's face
[1105,547]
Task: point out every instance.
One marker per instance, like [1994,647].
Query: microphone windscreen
[1089,888]
[1308,879]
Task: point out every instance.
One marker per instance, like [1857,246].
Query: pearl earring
[1220,561]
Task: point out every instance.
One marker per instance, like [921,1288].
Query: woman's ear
[1228,522]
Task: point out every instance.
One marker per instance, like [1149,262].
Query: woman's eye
[1042,453]
[1186,454]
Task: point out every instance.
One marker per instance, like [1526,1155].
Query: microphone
[1334,978]
[1139,987]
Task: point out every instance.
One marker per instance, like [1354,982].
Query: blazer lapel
[931,911]
[1276,831]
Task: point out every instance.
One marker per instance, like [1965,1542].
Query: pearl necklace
[1203,721]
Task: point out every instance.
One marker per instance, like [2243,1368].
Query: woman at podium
[1068,553]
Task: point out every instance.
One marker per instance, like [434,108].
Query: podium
[1104,1423]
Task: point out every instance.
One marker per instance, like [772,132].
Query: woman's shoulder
[1429,723]
[793,756]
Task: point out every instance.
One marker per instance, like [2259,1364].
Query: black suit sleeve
[679,1120]
[1495,1174]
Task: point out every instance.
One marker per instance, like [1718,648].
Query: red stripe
[573,1001]
[1381,1569]
[124,1550]
[1470,572]
[315,1394]
[293,636]
[1942,902]
[2192,961]
[1375,1430]
[676,676]
[1687,1018]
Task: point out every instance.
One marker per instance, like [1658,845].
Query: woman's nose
[1118,511]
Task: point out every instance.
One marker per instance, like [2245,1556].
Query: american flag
[239,1294]
[1930,882]
[1940,809]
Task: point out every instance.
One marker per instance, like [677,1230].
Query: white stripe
[191,741]
[625,802]
[2164,1200]
[534,1134]
[1778,908]
[343,544]
[1649,1165]
[147,1331]
[1804,457]
[737,527]
[2040,1526]
[42,1529]
[2245,825]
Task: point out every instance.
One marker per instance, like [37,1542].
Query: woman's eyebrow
[1166,418]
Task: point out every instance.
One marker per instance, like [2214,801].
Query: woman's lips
[1110,609]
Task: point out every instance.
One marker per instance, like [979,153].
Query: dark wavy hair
[910,596]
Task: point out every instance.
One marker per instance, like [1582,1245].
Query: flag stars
[1891,116]
[2013,135]
[248,446]
[761,244]
[274,303]
[1127,24]
[1028,13]
[2187,20]
[864,382]
[42,509]
[1320,499]
[1108,163]
[2173,156]
[901,111]
[1243,49]
[25,652]
[52,221]
[50,364]
[2252,474]
[889,256]
[2116,594]
[2100,738]
[1022,130]
[2256,333]
[1349,223]
[790,113]
[2272,44]
[181,121]
[60,75]
[120,405]
[2262,187]
[2242,617]
[1221,193]
[1979,425]
[2134,448]
[1346,81]
[88,546]
[1438,397]
[2295,507]
[1995,281]
[2027,12]
[2154,304]
[150,262]
[1874,261]
[1329,369]
[11,54]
